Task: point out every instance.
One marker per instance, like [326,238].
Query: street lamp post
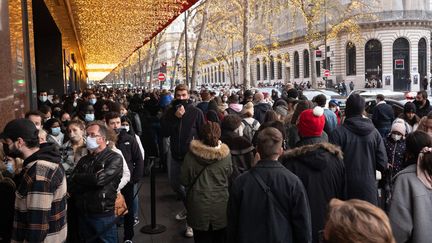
[186,49]
[325,34]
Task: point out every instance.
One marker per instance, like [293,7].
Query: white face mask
[91,143]
[43,98]
[396,137]
[125,128]
[333,109]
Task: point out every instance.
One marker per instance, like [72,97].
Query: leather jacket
[95,180]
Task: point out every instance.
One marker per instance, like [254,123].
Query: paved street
[167,207]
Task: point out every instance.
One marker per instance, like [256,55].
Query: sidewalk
[167,206]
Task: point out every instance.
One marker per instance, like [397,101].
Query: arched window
[296,65]
[306,63]
[422,58]
[279,67]
[350,59]
[272,68]
[258,70]
[265,74]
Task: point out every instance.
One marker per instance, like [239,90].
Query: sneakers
[189,232]
[181,215]
[136,222]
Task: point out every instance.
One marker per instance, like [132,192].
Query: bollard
[153,228]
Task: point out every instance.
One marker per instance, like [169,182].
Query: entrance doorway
[373,63]
[401,65]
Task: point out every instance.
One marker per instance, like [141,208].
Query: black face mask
[177,103]
[13,153]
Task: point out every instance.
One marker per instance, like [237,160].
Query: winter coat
[131,151]
[411,125]
[330,121]
[422,111]
[207,198]
[95,180]
[241,151]
[383,115]
[395,153]
[410,215]
[260,110]
[320,167]
[181,130]
[136,122]
[40,199]
[203,106]
[364,153]
[254,217]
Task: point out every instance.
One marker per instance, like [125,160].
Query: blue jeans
[91,226]
[174,167]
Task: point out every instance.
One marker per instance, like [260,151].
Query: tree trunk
[246,46]
[177,57]
[156,44]
[198,47]
[313,66]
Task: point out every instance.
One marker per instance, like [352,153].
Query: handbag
[120,207]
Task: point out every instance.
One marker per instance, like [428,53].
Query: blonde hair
[357,221]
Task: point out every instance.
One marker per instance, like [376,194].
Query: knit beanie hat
[281,110]
[248,108]
[355,105]
[311,122]
[409,107]
[399,127]
[292,93]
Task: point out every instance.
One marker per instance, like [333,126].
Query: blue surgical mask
[10,168]
[55,131]
[92,101]
[91,143]
[89,117]
[43,98]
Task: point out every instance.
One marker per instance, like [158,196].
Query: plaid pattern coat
[40,204]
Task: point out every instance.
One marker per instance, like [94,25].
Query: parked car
[397,105]
[329,94]
[372,93]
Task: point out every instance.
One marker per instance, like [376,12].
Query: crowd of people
[248,167]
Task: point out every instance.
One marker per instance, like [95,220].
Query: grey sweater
[410,211]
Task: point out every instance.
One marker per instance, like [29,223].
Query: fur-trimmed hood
[315,155]
[208,154]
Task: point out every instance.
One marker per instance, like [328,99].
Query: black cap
[409,107]
[355,105]
[20,128]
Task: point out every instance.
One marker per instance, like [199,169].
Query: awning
[110,30]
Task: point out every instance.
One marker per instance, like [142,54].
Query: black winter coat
[129,147]
[383,116]
[321,169]
[136,122]
[422,111]
[241,151]
[95,180]
[260,110]
[254,217]
[364,153]
[181,130]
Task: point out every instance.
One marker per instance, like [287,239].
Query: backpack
[249,130]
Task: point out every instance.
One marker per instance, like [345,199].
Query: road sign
[327,73]
[161,77]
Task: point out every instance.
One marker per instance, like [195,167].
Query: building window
[350,59]
[258,70]
[265,69]
[272,68]
[306,63]
[401,65]
[279,67]
[318,68]
[422,58]
[296,65]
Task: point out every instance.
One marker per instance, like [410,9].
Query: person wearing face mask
[333,106]
[40,202]
[43,99]
[133,117]
[422,104]
[395,148]
[92,99]
[410,118]
[94,182]
[55,136]
[128,145]
[86,113]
